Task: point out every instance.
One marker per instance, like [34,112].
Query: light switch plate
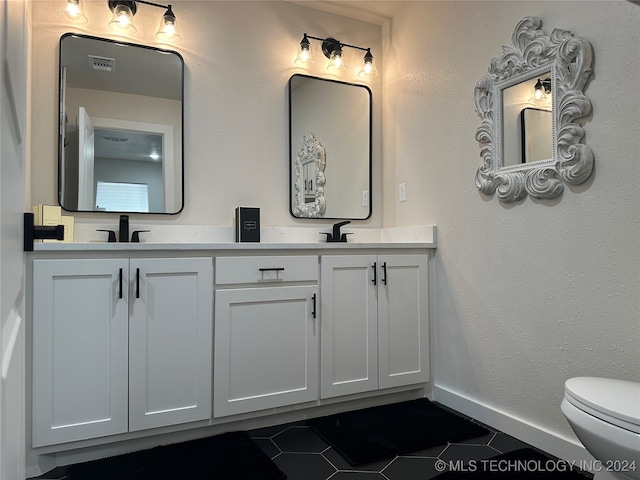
[402,192]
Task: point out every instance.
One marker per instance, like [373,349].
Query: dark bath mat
[230,456]
[523,464]
[377,433]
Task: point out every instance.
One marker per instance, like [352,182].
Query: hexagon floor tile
[302,455]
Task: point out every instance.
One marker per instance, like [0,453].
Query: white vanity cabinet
[267,334]
[119,345]
[374,322]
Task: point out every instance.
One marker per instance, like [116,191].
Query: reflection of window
[122,197]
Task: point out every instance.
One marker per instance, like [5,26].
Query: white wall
[238,56]
[532,293]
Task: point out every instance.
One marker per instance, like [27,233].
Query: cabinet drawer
[231,270]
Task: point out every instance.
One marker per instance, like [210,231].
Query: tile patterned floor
[302,455]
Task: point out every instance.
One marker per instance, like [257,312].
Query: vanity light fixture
[541,88]
[332,49]
[124,10]
[75,11]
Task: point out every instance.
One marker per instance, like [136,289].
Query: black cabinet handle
[375,273]
[384,271]
[120,283]
[313,311]
[137,283]
[272,269]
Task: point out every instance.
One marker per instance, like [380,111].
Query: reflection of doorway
[537,135]
[86,161]
[138,152]
[125,152]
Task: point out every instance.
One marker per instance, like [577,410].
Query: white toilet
[605,415]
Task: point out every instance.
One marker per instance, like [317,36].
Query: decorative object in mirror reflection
[121,127]
[332,49]
[124,10]
[330,148]
[310,179]
[537,73]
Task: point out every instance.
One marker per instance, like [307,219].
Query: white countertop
[199,238]
[143,246]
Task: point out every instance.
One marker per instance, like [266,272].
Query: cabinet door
[170,342]
[79,349]
[349,359]
[403,336]
[266,348]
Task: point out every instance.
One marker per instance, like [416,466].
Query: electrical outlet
[365,198]
[402,192]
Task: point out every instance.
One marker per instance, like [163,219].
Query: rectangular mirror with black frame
[330,148]
[120,127]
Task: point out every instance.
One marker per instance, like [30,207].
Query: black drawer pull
[313,311]
[272,269]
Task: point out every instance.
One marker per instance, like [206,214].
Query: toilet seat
[613,401]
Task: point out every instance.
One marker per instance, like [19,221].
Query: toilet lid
[617,398]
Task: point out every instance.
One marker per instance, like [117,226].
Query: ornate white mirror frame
[568,60]
[311,152]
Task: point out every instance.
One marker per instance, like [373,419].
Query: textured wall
[532,293]
[239,56]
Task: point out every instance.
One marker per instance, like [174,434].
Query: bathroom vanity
[135,340]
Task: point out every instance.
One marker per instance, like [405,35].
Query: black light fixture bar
[132,4]
[332,49]
[128,8]
[332,42]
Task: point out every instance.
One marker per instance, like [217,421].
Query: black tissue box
[247,224]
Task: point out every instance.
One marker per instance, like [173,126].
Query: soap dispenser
[123,233]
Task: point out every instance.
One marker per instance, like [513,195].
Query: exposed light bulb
[304,52]
[368,69]
[168,29]
[74,11]
[122,18]
[336,62]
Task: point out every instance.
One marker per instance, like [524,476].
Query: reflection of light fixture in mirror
[73,9]
[124,10]
[541,88]
[332,49]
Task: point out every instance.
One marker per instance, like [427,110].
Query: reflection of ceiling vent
[102,64]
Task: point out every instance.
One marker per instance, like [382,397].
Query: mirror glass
[533,110]
[330,148]
[121,127]
[536,135]
[519,103]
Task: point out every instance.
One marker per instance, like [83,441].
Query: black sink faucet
[336,236]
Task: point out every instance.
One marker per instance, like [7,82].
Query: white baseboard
[550,442]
